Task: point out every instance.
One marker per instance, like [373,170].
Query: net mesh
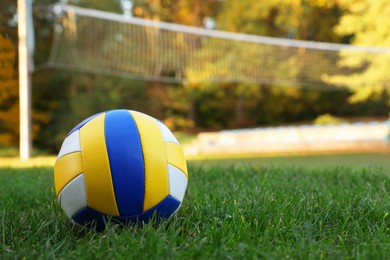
[102,42]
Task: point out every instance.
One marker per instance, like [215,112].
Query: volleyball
[122,166]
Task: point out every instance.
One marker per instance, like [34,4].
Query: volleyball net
[108,43]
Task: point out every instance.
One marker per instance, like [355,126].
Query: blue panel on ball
[162,210]
[126,161]
[92,218]
[77,127]
[165,208]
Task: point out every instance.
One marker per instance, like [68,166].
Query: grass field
[290,207]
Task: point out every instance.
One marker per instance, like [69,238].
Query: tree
[367,23]
[8,22]
[302,19]
[9,94]
[178,103]
[9,88]
[298,19]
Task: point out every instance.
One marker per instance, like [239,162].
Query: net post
[25,139]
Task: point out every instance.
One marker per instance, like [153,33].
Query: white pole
[24,85]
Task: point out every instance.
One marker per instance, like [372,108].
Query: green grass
[244,210]
[317,161]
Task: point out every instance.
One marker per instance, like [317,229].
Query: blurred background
[264,76]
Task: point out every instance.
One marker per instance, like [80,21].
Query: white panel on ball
[167,134]
[177,182]
[73,196]
[71,144]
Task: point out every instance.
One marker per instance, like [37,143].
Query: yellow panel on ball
[66,169]
[176,157]
[98,182]
[155,160]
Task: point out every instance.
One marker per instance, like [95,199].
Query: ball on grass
[120,165]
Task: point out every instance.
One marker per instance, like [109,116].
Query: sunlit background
[229,77]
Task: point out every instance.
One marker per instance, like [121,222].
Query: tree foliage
[367,23]
[9,93]
[298,19]
[188,12]
[302,20]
